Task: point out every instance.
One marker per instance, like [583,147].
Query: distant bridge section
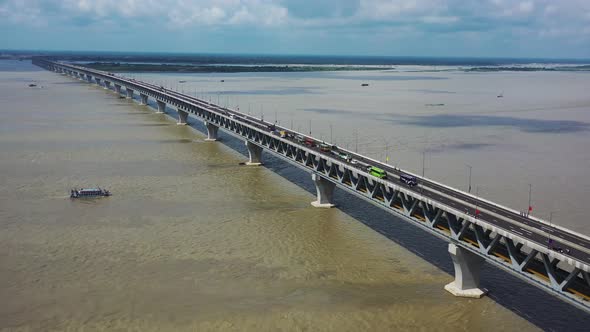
[552,258]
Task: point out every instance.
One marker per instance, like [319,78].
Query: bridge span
[550,257]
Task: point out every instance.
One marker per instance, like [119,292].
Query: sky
[469,28]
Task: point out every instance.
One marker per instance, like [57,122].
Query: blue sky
[485,28]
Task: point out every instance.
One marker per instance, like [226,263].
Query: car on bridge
[309,142]
[410,180]
[325,147]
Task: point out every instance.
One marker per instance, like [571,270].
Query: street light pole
[423,168]
[331,137]
[423,162]
[476,199]
[528,211]
[549,241]
[386,152]
[469,188]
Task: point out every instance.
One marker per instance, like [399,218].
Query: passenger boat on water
[89,192]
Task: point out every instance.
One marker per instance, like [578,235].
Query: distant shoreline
[176,68]
[286,68]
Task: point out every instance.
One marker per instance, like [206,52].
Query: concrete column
[118,89]
[254,154]
[467,269]
[211,131]
[89,78]
[182,117]
[107,85]
[144,98]
[161,107]
[325,190]
[129,93]
[97,81]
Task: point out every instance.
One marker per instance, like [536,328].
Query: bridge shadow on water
[533,304]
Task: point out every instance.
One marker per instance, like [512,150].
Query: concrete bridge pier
[467,269]
[89,78]
[144,99]
[161,107]
[182,118]
[211,131]
[97,81]
[254,154]
[118,89]
[129,93]
[107,85]
[325,190]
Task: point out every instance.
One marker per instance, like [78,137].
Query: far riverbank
[177,68]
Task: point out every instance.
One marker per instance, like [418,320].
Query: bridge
[550,257]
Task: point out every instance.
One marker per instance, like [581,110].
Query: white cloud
[170,12]
[540,17]
[440,19]
[526,7]
[389,10]
[19,12]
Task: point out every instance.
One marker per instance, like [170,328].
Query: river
[192,241]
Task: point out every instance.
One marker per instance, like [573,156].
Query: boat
[501,95]
[365,84]
[89,192]
[182,81]
[32,85]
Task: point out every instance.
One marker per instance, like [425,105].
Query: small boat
[222,81]
[365,84]
[501,95]
[32,85]
[181,81]
[89,192]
